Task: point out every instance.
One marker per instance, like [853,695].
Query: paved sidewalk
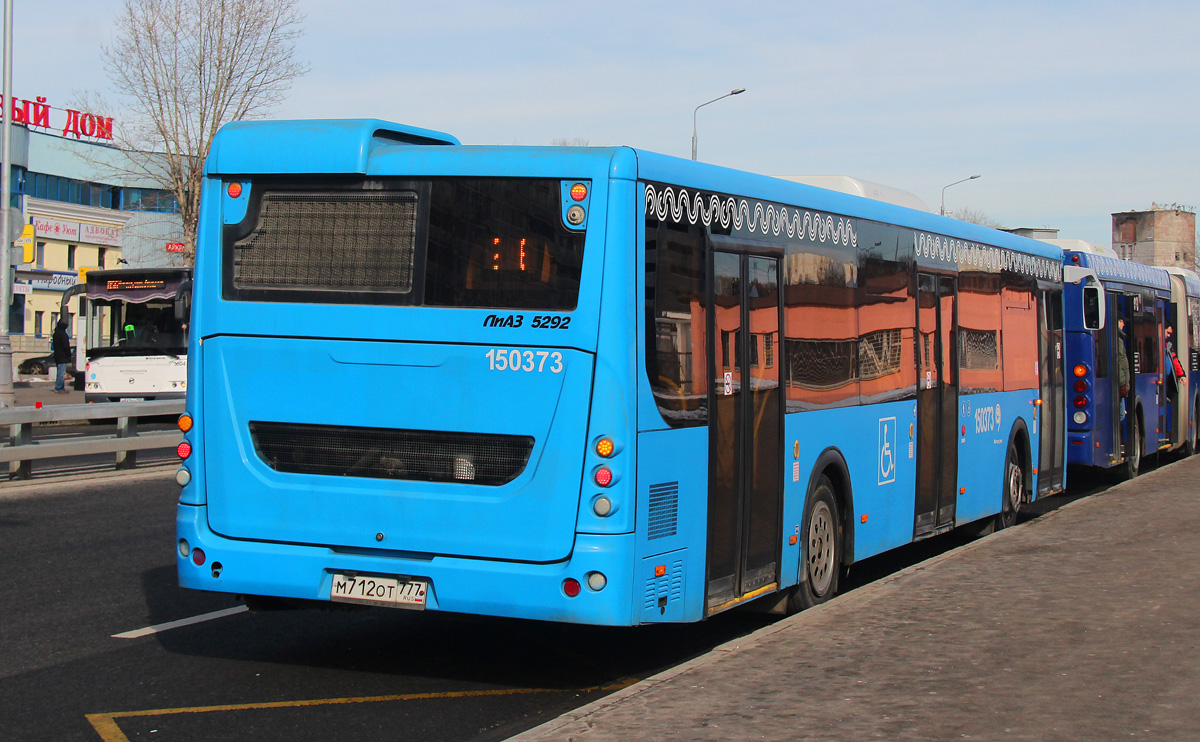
[1083,624]
[29,393]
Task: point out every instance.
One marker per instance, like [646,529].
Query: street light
[964,180]
[737,91]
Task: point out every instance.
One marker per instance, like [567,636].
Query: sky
[1069,111]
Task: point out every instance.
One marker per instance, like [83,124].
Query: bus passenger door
[937,406]
[745,429]
[1166,391]
[1052,412]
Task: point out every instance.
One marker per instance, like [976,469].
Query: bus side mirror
[1092,295]
[1093,308]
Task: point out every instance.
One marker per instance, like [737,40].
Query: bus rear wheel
[1133,450]
[1014,489]
[821,550]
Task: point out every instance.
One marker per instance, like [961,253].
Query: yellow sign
[25,241]
[83,273]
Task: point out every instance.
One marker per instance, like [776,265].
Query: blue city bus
[590,385]
[1185,319]
[1110,429]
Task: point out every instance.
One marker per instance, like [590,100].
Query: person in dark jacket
[61,344]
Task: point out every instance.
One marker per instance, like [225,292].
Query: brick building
[1164,236]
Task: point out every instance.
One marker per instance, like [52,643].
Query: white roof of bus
[1082,246]
[859,187]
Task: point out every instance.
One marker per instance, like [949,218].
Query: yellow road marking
[106,724]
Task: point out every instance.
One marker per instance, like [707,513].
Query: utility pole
[7,397]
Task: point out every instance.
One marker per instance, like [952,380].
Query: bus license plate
[372,590]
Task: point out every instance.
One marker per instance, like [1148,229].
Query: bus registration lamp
[736,91]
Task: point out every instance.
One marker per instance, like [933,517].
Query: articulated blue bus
[592,385]
[1113,426]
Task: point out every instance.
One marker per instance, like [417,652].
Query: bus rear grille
[664,510]
[386,453]
[330,242]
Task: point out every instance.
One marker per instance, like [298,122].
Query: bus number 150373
[501,359]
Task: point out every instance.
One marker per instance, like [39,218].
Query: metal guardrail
[22,450]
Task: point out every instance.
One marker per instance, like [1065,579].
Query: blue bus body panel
[395,386]
[478,586]
[673,506]
[307,147]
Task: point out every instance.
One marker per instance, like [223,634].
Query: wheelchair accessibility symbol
[887,450]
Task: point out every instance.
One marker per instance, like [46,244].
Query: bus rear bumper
[90,397]
[475,586]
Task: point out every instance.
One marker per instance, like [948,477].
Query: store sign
[55,229]
[99,234]
[22,289]
[54,281]
[174,247]
[75,123]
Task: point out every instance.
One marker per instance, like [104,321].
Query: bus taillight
[1081,386]
[184,449]
[571,587]
[184,422]
[605,448]
[604,476]
[1081,370]
[1080,402]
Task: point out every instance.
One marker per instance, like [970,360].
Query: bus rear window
[451,242]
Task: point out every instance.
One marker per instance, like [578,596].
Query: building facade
[87,211]
[1164,236]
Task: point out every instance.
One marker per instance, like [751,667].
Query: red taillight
[1080,386]
[571,587]
[578,192]
[184,449]
[1080,402]
[604,476]
[234,190]
[198,556]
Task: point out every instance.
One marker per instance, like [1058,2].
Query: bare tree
[975,216]
[565,142]
[184,68]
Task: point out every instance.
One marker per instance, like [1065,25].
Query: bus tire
[1133,456]
[1014,488]
[820,550]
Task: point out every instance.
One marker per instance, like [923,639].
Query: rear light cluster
[184,450]
[1082,399]
[603,476]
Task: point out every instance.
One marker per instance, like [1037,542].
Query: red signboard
[174,247]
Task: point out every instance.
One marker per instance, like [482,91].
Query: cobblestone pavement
[1079,625]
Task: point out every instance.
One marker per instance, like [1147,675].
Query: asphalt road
[86,561]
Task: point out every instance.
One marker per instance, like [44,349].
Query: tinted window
[676,322]
[501,243]
[451,242]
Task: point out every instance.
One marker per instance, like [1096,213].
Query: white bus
[134,333]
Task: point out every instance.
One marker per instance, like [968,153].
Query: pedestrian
[61,344]
[1171,360]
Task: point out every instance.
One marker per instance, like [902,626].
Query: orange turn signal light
[184,422]
[1080,370]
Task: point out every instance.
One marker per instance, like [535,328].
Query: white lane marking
[136,633]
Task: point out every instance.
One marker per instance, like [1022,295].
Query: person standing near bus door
[61,346]
[1122,365]
[1172,360]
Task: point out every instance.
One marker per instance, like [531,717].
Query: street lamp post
[737,91]
[964,180]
